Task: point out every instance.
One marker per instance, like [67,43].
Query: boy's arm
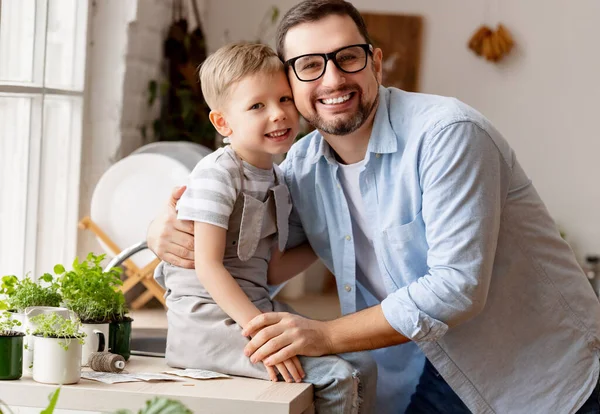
[285,265]
[209,248]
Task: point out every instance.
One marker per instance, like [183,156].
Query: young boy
[240,205]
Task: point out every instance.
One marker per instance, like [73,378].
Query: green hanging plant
[184,112]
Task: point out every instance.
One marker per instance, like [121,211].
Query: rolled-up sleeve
[464,180]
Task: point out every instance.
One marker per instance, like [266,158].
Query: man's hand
[278,336]
[170,239]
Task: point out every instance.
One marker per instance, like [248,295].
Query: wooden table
[234,395]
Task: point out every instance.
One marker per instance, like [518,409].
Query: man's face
[337,103]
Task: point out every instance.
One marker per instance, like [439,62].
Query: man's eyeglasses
[349,59]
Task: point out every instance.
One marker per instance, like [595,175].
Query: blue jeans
[434,396]
[343,384]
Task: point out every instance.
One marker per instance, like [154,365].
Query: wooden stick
[133,273]
[141,300]
[131,281]
[154,290]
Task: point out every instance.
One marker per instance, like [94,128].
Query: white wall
[544,97]
[124,53]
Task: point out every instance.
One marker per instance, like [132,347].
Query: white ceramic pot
[28,341]
[96,340]
[52,364]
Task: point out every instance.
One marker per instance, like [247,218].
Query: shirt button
[348,288]
[377,155]
[348,238]
[338,186]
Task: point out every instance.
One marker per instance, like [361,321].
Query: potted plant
[24,297]
[57,350]
[90,292]
[11,348]
[21,294]
[120,327]
[25,293]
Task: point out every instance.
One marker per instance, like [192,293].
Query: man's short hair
[313,10]
[230,64]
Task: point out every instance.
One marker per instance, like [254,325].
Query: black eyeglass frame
[368,48]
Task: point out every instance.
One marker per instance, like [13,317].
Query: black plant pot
[11,356]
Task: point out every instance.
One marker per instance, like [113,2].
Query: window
[42,60]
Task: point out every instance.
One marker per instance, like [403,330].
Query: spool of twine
[106,362]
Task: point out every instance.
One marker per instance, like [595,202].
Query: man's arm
[281,335]
[172,240]
[285,265]
[464,179]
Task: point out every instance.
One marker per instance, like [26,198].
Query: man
[436,237]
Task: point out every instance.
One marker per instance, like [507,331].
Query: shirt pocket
[405,252]
[398,234]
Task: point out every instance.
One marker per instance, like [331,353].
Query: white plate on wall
[130,195]
[188,153]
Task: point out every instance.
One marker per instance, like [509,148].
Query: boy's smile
[279,135]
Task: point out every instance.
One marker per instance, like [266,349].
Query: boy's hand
[170,239]
[291,370]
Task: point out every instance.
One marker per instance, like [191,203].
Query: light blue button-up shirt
[475,270]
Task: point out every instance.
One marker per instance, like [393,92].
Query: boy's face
[262,117]
[338,103]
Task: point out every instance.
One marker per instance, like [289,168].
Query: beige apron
[200,334]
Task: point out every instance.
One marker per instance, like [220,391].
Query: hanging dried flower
[493,45]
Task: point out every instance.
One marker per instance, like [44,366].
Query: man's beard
[348,123]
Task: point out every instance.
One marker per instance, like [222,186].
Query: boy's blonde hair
[230,64]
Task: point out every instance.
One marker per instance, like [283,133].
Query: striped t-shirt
[216,182]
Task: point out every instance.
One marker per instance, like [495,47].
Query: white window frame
[64,251]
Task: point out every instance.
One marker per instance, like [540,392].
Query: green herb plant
[8,325]
[21,294]
[52,325]
[119,309]
[90,292]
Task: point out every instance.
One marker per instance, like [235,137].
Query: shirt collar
[383,139]
[323,150]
